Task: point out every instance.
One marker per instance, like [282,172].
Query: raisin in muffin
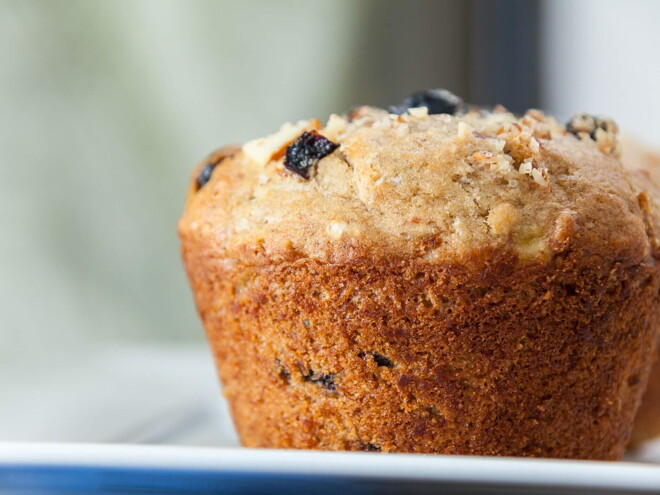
[432,278]
[646,163]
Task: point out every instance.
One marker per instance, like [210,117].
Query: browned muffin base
[396,355]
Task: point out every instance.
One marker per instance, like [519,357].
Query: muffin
[433,278]
[647,422]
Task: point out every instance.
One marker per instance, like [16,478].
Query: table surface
[133,394]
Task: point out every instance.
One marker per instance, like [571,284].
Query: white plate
[152,421]
[125,469]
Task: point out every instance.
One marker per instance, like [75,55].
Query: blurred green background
[105,106]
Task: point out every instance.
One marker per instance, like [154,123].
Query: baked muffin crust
[472,284]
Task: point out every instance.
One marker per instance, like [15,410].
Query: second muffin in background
[646,164]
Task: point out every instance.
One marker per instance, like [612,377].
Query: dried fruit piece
[371,447]
[212,161]
[382,360]
[379,358]
[326,381]
[306,151]
[205,174]
[436,100]
[283,373]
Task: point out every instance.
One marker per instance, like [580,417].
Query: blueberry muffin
[431,278]
[646,163]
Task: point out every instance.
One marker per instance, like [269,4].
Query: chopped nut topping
[502,217]
[539,174]
[419,112]
[526,167]
[535,114]
[337,229]
[485,158]
[534,145]
[336,126]
[464,130]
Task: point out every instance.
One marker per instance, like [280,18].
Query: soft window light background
[105,106]
[601,56]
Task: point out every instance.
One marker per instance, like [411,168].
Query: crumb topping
[428,183]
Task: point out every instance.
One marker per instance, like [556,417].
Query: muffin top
[430,179]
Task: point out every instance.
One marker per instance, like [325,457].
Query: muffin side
[407,356]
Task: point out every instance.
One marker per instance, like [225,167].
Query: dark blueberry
[379,358]
[382,360]
[306,151]
[205,174]
[371,447]
[436,100]
[212,161]
[286,376]
[326,381]
[284,372]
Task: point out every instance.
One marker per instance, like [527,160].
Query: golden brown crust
[489,357]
